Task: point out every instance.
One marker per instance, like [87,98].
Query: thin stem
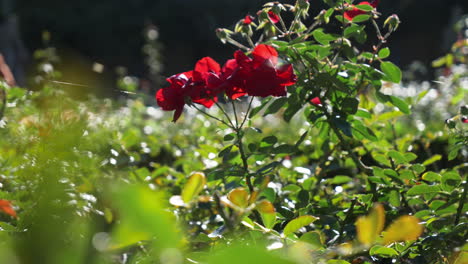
[4,102]
[462,203]
[235,113]
[247,113]
[249,40]
[214,117]
[382,39]
[362,166]
[347,218]
[244,160]
[316,23]
[225,114]
[237,44]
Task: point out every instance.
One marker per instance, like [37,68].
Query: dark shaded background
[110,31]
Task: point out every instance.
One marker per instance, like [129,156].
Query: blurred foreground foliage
[103,181]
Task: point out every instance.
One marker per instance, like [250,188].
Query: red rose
[234,87]
[316,101]
[201,92]
[173,97]
[194,84]
[261,76]
[273,17]
[248,20]
[349,15]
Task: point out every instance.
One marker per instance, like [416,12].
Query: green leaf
[364,7]
[361,18]
[402,105]
[423,189]
[410,156]
[450,181]
[432,159]
[384,53]
[314,238]
[392,72]
[350,105]
[397,157]
[142,217]
[275,106]
[396,101]
[229,137]
[383,252]
[431,176]
[259,108]
[284,149]
[340,179]
[193,187]
[358,130]
[321,37]
[298,223]
[364,113]
[394,198]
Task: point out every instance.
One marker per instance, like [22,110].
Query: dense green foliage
[366,175]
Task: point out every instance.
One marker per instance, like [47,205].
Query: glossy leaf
[298,223]
[392,72]
[239,197]
[369,227]
[405,228]
[193,187]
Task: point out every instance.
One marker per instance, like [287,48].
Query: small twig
[235,113]
[227,220]
[462,203]
[246,113]
[4,102]
[211,116]
[225,114]
[237,44]
[348,216]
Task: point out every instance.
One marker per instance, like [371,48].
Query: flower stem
[214,117]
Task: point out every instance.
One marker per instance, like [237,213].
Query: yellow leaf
[265,207]
[405,228]
[267,212]
[239,197]
[193,187]
[369,227]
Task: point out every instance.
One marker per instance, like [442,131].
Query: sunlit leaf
[423,189]
[193,187]
[239,197]
[369,227]
[405,228]
[392,72]
[313,237]
[298,223]
[267,212]
[384,252]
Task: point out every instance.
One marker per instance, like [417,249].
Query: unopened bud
[322,18]
[392,22]
[222,34]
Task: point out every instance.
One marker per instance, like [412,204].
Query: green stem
[462,203]
[246,113]
[214,117]
[225,114]
[235,113]
[4,102]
